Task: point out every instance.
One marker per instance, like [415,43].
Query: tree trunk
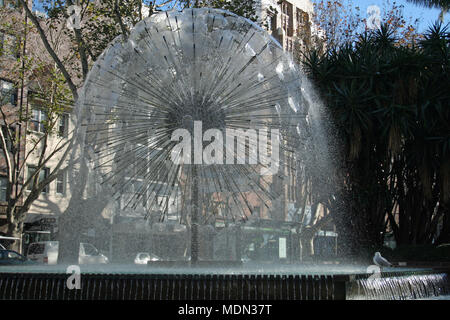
[15,230]
[69,238]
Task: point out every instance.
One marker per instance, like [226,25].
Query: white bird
[380,261]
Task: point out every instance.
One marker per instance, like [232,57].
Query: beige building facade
[287,21]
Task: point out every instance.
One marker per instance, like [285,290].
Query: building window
[62,125]
[289,45]
[61,183]
[38,120]
[8,93]
[273,23]
[300,20]
[287,18]
[3,188]
[271,20]
[284,8]
[43,174]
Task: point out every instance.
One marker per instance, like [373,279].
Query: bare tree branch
[81,45]
[50,50]
[5,146]
[119,20]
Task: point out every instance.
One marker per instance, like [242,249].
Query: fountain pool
[288,282]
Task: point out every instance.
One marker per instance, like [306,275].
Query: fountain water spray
[177,69]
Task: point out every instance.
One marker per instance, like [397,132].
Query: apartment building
[20,95]
[11,100]
[290,22]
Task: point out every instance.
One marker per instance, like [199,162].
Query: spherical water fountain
[195,107]
[201,106]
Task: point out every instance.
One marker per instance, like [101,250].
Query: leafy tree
[19,146]
[99,23]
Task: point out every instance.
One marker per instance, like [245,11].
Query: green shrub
[418,253]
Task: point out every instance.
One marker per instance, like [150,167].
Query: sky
[427,16]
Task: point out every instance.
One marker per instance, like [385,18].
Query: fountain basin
[157,283]
[198,264]
[26,286]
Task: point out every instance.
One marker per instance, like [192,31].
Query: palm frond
[438,4]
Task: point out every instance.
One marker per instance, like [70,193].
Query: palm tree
[389,103]
[444,5]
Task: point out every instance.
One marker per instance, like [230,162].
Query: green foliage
[390,103]
[51,95]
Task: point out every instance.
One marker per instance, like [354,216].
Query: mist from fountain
[205,71]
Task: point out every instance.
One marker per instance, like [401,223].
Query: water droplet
[249,50]
[260,77]
[292,104]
